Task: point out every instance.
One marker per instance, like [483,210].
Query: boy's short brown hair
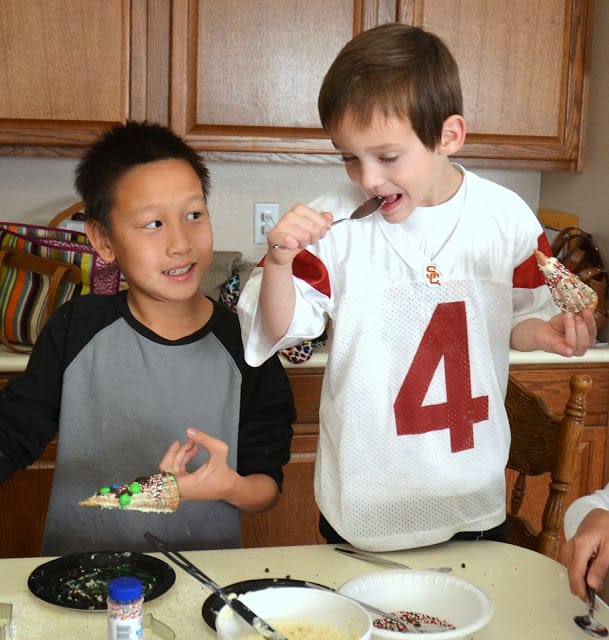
[397,70]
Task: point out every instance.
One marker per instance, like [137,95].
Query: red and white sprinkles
[124,610]
[411,618]
[568,291]
[154,485]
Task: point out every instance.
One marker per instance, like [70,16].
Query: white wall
[587,193]
[35,189]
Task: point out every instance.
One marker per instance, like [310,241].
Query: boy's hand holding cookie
[213,480]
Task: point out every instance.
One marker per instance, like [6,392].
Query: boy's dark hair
[396,70]
[118,150]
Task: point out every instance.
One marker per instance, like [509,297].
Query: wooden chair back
[67,213]
[543,443]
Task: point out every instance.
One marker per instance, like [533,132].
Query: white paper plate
[427,592]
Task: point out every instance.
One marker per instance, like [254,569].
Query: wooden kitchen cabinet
[523,67]
[239,76]
[71,69]
[294,520]
[245,76]
[524,73]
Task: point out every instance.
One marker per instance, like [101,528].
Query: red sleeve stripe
[312,270]
[527,275]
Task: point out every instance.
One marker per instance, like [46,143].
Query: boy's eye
[347,158]
[388,159]
[194,215]
[153,224]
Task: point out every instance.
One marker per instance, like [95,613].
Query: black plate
[214,603]
[63,581]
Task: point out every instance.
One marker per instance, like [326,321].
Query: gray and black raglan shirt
[118,395]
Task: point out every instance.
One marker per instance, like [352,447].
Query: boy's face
[388,159]
[160,233]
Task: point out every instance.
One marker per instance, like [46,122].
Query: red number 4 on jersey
[445,337]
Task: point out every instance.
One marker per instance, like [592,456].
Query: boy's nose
[178,240]
[370,177]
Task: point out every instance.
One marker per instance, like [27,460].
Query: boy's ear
[453,135]
[100,240]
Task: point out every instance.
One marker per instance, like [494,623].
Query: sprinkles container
[125,609]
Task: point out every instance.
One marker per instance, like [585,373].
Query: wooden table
[530,592]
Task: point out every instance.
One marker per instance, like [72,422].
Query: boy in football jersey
[120,378]
[425,299]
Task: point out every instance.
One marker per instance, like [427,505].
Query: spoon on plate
[365,210]
[372,609]
[587,622]
[373,557]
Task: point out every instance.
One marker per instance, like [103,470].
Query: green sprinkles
[124,500]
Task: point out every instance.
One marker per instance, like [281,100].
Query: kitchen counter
[529,591]
[16,362]
[599,353]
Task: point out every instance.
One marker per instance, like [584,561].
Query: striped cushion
[24,294]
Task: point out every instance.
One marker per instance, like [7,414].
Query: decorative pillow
[297,354]
[302,352]
[229,293]
[222,267]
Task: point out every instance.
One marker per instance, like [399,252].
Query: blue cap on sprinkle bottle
[125,609]
[125,589]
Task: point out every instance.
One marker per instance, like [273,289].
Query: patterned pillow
[297,354]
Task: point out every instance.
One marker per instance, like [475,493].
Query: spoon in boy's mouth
[365,210]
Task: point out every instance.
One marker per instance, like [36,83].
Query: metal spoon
[373,557]
[377,612]
[591,626]
[365,210]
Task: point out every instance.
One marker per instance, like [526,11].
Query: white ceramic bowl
[439,595]
[297,604]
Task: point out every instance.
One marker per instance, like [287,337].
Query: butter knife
[240,608]
[372,557]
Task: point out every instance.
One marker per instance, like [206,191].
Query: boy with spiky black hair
[120,378]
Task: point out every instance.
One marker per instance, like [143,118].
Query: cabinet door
[295,520]
[23,502]
[245,75]
[524,72]
[66,70]
[24,499]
